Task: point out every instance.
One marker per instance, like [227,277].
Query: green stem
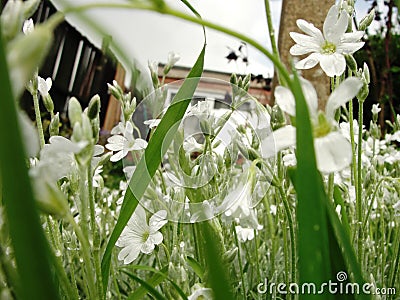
[359,205]
[84,205]
[85,250]
[240,261]
[271,31]
[353,145]
[93,226]
[395,268]
[70,291]
[38,118]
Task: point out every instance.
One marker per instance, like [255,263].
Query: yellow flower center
[323,126]
[328,48]
[145,236]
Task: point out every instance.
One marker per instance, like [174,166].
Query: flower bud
[12,19]
[233,80]
[367,20]
[94,107]
[230,255]
[115,90]
[49,198]
[278,119]
[95,123]
[363,93]
[54,125]
[351,62]
[375,131]
[365,73]
[153,67]
[48,103]
[74,111]
[205,127]
[172,59]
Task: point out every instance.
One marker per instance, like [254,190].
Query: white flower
[327,49]
[123,144]
[139,236]
[201,293]
[191,145]
[44,86]
[239,205]
[152,123]
[375,109]
[28,26]
[244,234]
[332,149]
[173,58]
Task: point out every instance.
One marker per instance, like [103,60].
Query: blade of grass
[217,272]
[313,243]
[151,158]
[146,287]
[28,240]
[343,240]
[154,281]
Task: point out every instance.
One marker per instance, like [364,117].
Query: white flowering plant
[216,203]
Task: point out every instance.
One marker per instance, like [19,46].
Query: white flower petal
[156,238]
[305,40]
[349,48]
[310,94]
[285,99]
[347,90]
[117,156]
[333,152]
[129,254]
[148,246]
[284,137]
[158,220]
[116,139]
[310,29]
[352,37]
[139,144]
[309,62]
[301,50]
[335,27]
[333,64]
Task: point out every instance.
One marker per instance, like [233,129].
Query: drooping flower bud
[367,20]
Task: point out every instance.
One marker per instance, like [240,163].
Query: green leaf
[161,273]
[28,240]
[337,196]
[147,286]
[151,158]
[217,271]
[196,267]
[343,240]
[313,243]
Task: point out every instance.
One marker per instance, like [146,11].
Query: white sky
[147,36]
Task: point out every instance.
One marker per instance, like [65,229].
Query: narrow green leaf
[217,271]
[28,240]
[163,274]
[337,196]
[151,158]
[196,267]
[313,243]
[343,240]
[146,287]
